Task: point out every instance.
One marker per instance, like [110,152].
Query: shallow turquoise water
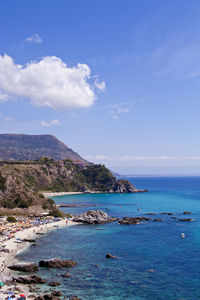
[139,248]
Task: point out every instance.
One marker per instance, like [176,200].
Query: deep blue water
[139,248]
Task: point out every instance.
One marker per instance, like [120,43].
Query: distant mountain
[23,147]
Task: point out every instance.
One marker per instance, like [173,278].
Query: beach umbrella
[1,283]
[22,295]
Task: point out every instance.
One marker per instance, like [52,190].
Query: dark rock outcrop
[94,217]
[47,297]
[133,220]
[34,279]
[158,220]
[123,186]
[187,213]
[57,263]
[66,275]
[56,293]
[24,267]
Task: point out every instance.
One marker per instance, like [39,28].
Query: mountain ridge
[23,147]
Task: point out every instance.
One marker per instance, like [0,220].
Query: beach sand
[54,194]
[7,259]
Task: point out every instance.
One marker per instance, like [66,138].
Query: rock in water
[56,293]
[57,263]
[133,220]
[94,217]
[24,267]
[54,283]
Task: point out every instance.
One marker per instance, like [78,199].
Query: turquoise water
[153,261]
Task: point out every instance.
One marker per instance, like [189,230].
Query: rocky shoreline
[26,283]
[8,258]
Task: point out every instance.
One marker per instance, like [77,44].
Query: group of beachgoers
[13,238]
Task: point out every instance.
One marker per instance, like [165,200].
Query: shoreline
[55,194]
[7,259]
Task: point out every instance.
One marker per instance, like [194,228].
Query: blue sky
[117,81]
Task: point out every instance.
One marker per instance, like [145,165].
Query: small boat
[99,228]
[183,235]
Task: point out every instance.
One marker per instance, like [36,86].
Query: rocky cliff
[22,183]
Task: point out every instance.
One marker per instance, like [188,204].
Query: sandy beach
[7,259]
[54,194]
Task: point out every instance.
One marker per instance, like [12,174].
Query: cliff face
[31,147]
[21,183]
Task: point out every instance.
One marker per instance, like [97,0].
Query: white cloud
[51,123]
[8,119]
[177,63]
[115,117]
[117,110]
[100,85]
[48,82]
[129,158]
[35,38]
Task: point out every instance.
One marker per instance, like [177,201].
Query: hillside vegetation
[21,183]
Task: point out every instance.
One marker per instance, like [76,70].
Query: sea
[152,260]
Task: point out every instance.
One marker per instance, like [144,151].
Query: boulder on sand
[57,263]
[94,217]
[33,279]
[24,267]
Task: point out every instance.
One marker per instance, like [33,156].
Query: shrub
[11,219]
[2,183]
[56,213]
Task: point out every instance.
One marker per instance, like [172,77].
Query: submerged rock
[54,283]
[94,217]
[56,293]
[66,275]
[158,220]
[187,213]
[133,220]
[57,263]
[24,267]
[186,220]
[74,298]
